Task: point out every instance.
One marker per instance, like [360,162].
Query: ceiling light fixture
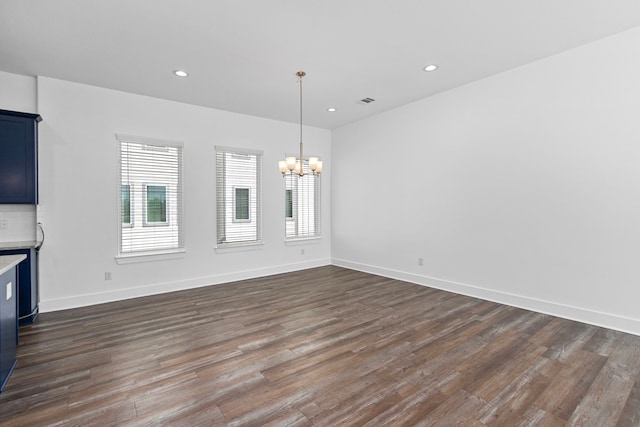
[332,109]
[291,165]
[431,67]
[180,73]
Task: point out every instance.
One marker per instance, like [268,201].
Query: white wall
[18,92]
[79,194]
[522,188]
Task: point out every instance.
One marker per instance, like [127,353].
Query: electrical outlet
[3,223]
[107,275]
[420,262]
[302,251]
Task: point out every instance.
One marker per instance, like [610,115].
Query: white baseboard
[606,320]
[160,288]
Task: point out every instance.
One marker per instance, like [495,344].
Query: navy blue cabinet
[27,285]
[8,325]
[18,157]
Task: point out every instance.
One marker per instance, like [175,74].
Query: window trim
[159,255]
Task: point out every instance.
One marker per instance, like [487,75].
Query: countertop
[7,262]
[6,246]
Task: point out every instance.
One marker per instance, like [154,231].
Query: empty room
[330,213]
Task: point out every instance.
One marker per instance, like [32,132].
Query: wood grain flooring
[322,347]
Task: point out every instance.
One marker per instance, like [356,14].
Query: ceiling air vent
[367,100]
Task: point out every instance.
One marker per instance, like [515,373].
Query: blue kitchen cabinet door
[27,284]
[8,325]
[18,157]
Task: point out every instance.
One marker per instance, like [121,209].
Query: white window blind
[238,196]
[302,204]
[151,195]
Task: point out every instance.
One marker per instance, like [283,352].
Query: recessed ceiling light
[332,109]
[180,73]
[430,67]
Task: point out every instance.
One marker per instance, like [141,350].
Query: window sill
[150,256]
[296,241]
[238,247]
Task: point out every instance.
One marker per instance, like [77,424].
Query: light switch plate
[9,290]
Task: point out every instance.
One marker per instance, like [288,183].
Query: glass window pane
[288,204]
[156,204]
[125,206]
[242,204]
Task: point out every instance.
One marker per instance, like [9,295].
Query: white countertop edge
[7,262]
[6,246]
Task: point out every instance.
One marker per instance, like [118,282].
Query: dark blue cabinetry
[18,157]
[8,325]
[27,285]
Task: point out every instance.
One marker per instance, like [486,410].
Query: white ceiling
[242,55]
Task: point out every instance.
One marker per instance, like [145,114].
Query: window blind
[302,204]
[238,196]
[151,195]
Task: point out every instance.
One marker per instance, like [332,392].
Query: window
[125,205]
[302,204]
[150,177]
[238,196]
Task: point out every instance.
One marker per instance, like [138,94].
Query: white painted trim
[606,320]
[236,150]
[160,288]
[297,241]
[223,248]
[120,137]
[131,258]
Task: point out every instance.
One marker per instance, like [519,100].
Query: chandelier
[292,165]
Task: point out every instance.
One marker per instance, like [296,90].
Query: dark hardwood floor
[326,347]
